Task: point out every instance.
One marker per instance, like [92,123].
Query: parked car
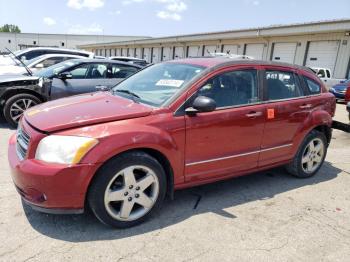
[36,64]
[77,76]
[30,53]
[132,60]
[325,75]
[172,125]
[341,91]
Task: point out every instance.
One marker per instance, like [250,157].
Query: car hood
[83,110]
[11,78]
[12,70]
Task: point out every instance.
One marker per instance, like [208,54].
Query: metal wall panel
[322,54]
[167,53]
[179,52]
[284,52]
[156,54]
[194,51]
[230,49]
[255,50]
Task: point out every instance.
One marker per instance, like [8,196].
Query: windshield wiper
[129,93]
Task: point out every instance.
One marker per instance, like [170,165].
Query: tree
[10,28]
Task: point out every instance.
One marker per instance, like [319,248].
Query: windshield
[56,69]
[158,83]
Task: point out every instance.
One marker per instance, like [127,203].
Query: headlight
[64,149]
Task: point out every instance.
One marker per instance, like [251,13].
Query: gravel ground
[269,216]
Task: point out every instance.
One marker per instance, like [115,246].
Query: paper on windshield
[170,82]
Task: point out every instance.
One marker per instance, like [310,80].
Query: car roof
[92,60]
[127,57]
[57,49]
[59,55]
[210,62]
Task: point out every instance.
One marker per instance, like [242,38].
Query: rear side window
[122,71]
[282,85]
[313,86]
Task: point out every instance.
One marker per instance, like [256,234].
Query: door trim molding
[237,155]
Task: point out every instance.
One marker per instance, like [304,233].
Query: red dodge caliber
[173,125]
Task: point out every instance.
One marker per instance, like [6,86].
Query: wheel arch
[16,91]
[158,155]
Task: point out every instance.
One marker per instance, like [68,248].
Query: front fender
[121,136]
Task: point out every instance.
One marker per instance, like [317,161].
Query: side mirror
[201,104]
[23,58]
[39,66]
[64,75]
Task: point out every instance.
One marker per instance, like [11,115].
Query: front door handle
[101,88]
[306,106]
[254,114]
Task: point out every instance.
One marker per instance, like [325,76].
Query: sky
[162,17]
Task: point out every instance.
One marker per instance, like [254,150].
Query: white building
[16,41]
[316,44]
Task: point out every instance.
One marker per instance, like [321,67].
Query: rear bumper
[51,188]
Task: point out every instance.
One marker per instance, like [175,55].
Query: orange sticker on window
[270,113]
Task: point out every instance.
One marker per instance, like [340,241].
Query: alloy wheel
[18,107]
[131,193]
[313,155]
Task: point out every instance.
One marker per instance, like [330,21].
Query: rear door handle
[306,106]
[254,114]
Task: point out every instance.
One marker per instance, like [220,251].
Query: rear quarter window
[313,86]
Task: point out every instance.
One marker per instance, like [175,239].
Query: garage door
[208,49]
[138,52]
[167,53]
[194,51]
[147,54]
[179,52]
[156,54]
[284,52]
[255,50]
[230,49]
[322,54]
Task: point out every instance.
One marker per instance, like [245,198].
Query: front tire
[310,155]
[127,190]
[16,105]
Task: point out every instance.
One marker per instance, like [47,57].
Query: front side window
[232,88]
[158,83]
[281,85]
[80,72]
[313,86]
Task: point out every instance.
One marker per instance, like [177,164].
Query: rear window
[313,86]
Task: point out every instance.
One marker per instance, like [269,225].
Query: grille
[22,143]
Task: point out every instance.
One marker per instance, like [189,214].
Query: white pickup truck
[325,75]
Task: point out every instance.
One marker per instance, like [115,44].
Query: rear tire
[16,105]
[127,190]
[310,156]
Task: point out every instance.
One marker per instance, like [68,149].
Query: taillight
[347,94]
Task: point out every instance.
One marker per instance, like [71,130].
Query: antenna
[25,66]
